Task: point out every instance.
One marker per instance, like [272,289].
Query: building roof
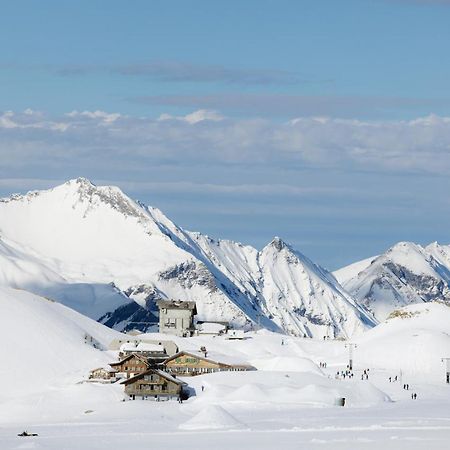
[161,373]
[106,369]
[213,357]
[176,304]
[142,347]
[211,327]
[139,357]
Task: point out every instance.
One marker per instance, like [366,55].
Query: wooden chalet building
[189,364]
[103,374]
[130,366]
[154,384]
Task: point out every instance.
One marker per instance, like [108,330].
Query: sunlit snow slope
[46,344]
[92,244]
[413,339]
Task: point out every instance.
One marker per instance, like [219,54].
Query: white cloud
[112,139]
[101,115]
[195,117]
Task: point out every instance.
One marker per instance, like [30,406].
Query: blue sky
[324,122]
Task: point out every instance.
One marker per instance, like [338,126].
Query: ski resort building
[190,364]
[155,384]
[236,335]
[103,374]
[155,352]
[130,366]
[212,328]
[170,348]
[176,317]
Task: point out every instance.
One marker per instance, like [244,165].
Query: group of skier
[365,374]
[405,386]
[343,374]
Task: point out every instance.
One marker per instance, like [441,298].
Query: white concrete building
[176,317]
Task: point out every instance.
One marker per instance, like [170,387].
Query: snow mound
[264,389]
[213,417]
[287,364]
[248,393]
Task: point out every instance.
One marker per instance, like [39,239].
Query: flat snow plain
[289,403]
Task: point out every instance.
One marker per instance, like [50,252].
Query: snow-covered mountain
[406,274]
[88,245]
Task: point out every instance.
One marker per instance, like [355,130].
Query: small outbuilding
[212,328]
[235,335]
[176,317]
[155,384]
[103,375]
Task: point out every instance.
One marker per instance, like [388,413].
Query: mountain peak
[278,243]
[80,181]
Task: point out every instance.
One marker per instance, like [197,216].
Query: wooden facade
[154,384]
[103,374]
[189,364]
[130,365]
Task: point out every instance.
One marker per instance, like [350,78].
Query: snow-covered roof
[176,304]
[163,374]
[211,327]
[106,369]
[127,358]
[141,347]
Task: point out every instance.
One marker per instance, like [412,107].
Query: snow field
[288,402]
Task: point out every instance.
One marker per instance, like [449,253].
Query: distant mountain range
[406,274]
[94,249]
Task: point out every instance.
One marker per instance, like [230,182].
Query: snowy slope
[96,235]
[96,238]
[300,295]
[406,274]
[413,339]
[23,269]
[346,273]
[45,344]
